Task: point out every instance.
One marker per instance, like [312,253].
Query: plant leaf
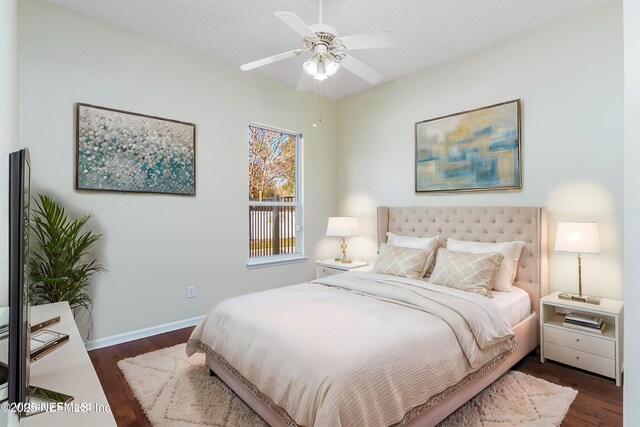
[60,266]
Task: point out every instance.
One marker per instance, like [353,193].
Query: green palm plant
[60,267]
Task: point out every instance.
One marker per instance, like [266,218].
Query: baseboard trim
[142,333]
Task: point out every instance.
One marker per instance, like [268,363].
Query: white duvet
[355,349]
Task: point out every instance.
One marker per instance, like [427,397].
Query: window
[274,195]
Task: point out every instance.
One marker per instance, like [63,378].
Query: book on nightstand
[584,322]
[583,319]
[596,330]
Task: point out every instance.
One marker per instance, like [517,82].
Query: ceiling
[239,31]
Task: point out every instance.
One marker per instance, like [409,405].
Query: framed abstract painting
[470,151]
[130,152]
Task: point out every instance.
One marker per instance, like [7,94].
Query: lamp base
[343,260]
[579,298]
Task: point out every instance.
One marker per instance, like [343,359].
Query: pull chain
[316,110]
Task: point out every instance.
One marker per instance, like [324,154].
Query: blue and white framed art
[129,152]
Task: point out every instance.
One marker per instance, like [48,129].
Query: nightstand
[591,351]
[328,267]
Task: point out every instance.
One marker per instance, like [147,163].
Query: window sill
[270,261]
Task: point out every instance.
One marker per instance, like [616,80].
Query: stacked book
[584,322]
[44,341]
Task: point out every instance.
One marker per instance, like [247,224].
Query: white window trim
[280,259]
[298,256]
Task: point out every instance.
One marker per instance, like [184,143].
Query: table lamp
[581,238]
[343,226]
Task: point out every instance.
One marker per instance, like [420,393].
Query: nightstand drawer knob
[577,339]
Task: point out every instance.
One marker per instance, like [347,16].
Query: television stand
[69,370]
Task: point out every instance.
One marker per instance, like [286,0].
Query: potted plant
[60,266]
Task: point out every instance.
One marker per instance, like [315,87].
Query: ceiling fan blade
[270,59]
[370,40]
[361,70]
[298,25]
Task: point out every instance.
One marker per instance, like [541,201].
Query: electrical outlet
[191,292]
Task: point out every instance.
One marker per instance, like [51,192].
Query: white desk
[67,370]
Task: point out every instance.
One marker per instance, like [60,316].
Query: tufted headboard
[480,224]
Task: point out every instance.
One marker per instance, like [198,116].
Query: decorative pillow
[401,261]
[509,266]
[466,271]
[428,243]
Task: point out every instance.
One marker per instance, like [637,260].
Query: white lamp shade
[581,237]
[343,226]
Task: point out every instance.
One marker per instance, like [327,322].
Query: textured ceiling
[240,31]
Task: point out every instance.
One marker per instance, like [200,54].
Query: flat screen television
[19,357]
[19,330]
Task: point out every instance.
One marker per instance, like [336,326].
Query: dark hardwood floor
[599,401]
[124,406]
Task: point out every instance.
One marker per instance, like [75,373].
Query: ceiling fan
[329,52]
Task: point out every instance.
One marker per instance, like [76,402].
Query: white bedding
[515,304]
[355,349]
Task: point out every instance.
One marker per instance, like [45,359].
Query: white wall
[155,246]
[569,76]
[9,121]
[632,210]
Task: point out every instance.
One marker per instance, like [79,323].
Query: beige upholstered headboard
[480,224]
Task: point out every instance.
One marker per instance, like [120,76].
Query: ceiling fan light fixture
[311,67]
[322,72]
[331,67]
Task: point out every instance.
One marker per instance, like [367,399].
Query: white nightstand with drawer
[328,267]
[584,349]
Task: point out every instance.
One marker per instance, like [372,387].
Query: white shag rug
[177,391]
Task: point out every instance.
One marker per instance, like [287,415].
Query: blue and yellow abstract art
[122,151]
[472,150]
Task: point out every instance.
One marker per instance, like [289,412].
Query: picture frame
[129,152]
[473,150]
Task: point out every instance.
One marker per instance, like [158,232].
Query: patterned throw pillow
[401,261]
[508,268]
[428,243]
[466,271]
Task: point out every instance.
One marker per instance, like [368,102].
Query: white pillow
[428,243]
[508,267]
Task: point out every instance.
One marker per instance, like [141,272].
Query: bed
[256,358]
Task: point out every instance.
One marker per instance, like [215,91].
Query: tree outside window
[273,192]
[272,164]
